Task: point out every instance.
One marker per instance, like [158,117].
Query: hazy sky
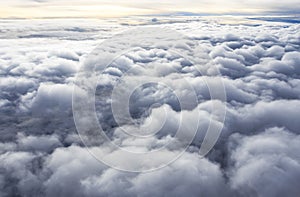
[105,8]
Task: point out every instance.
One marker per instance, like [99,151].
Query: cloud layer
[257,154]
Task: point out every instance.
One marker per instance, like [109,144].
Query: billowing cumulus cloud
[265,164]
[257,153]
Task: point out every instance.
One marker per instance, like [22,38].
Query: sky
[42,151]
[117,8]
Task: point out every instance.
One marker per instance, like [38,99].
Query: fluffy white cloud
[266,164]
[52,98]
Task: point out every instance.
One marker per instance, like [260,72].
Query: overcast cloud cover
[258,153]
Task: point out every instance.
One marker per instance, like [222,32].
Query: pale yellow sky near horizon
[117,8]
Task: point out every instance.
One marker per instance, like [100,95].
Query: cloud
[257,153]
[266,164]
[182,178]
[52,99]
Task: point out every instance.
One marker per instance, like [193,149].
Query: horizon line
[179,13]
